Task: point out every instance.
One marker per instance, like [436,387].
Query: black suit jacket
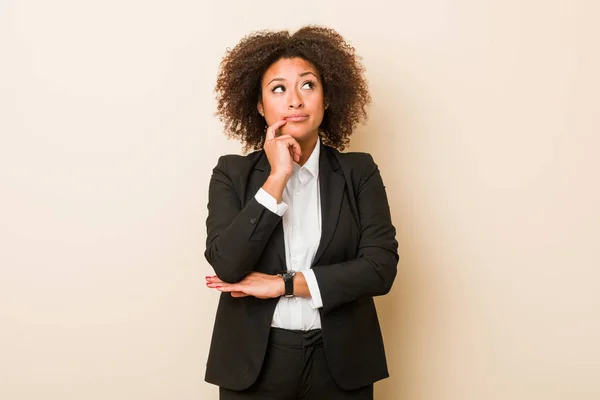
[356,260]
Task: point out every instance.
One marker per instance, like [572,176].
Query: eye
[310,85]
[278,89]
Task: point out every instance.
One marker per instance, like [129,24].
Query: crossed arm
[237,236]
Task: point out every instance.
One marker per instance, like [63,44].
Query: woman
[299,234]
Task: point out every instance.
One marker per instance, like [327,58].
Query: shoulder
[357,167]
[235,163]
[358,159]
[354,162]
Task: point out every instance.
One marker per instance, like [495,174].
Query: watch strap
[288,281]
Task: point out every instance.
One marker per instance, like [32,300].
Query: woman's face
[292,90]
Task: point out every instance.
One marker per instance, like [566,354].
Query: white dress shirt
[300,208]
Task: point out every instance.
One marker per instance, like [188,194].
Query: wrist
[275,185]
[280,286]
[278,177]
[287,278]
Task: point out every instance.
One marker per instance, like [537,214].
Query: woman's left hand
[257,284]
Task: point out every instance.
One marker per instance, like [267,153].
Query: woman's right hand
[281,151]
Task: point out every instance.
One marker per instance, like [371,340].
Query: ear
[259,106]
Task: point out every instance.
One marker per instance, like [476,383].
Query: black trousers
[295,369]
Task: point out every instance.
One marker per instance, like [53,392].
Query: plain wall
[485,125]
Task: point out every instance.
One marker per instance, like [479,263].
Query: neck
[307,146]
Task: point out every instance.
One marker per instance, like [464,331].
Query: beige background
[484,123]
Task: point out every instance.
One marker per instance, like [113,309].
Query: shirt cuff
[270,203]
[313,288]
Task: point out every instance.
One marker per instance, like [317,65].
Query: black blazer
[356,260]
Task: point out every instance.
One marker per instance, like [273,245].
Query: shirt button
[253,220]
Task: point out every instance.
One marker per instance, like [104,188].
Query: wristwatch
[288,281]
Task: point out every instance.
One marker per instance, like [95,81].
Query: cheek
[273,107]
[317,101]
[318,108]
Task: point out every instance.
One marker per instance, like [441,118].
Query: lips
[297,117]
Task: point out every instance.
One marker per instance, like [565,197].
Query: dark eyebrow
[301,75]
[276,79]
[307,73]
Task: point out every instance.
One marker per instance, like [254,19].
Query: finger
[297,151]
[229,288]
[272,130]
[214,284]
[293,154]
[238,294]
[213,279]
[221,284]
[293,146]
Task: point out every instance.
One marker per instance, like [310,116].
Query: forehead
[288,68]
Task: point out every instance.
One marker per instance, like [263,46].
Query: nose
[295,100]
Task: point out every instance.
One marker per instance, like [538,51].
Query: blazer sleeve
[236,235]
[374,269]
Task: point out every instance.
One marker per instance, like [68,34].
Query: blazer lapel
[262,169]
[331,185]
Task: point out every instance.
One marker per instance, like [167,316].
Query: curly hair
[241,70]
